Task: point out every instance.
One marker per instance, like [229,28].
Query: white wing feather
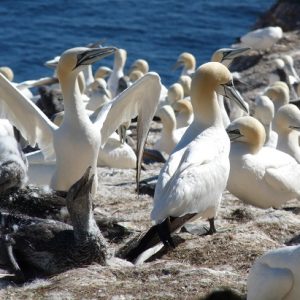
[27,117]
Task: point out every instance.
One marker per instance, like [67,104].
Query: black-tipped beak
[230,54]
[232,94]
[90,56]
[233,134]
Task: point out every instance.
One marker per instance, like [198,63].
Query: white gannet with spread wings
[75,144]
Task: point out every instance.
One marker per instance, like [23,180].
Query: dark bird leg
[212,228]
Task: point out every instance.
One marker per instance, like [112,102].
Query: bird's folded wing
[26,117]
[285,178]
[140,99]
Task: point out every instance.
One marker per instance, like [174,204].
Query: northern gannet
[103,72]
[98,94]
[135,75]
[184,113]
[279,93]
[139,65]
[275,275]
[264,112]
[261,39]
[13,164]
[188,63]
[175,93]
[193,179]
[117,72]
[169,136]
[186,82]
[262,176]
[75,144]
[287,122]
[50,247]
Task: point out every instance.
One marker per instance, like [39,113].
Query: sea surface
[32,32]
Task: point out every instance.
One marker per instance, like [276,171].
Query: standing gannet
[169,136]
[193,179]
[264,112]
[275,275]
[188,63]
[279,93]
[117,72]
[184,113]
[75,144]
[287,122]
[261,39]
[262,176]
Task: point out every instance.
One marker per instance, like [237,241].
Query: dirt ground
[198,264]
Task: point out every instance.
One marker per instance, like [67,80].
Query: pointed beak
[52,63]
[232,94]
[177,65]
[295,127]
[233,53]
[92,55]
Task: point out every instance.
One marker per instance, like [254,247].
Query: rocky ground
[198,265]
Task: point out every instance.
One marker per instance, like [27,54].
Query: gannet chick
[184,113]
[186,82]
[98,94]
[279,93]
[262,39]
[188,63]
[262,176]
[103,72]
[117,72]
[287,122]
[191,182]
[275,275]
[75,144]
[169,136]
[13,164]
[50,247]
[175,93]
[139,65]
[135,75]
[264,112]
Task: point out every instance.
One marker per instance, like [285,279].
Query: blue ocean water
[156,30]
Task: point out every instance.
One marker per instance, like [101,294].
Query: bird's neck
[73,104]
[206,108]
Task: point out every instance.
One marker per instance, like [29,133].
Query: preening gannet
[75,144]
[264,112]
[188,63]
[261,176]
[275,275]
[262,39]
[287,122]
[184,113]
[169,136]
[192,180]
[117,72]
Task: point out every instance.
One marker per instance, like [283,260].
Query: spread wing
[27,117]
[140,99]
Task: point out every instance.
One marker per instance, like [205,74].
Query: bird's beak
[52,63]
[233,53]
[228,90]
[233,134]
[92,55]
[295,127]
[177,65]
